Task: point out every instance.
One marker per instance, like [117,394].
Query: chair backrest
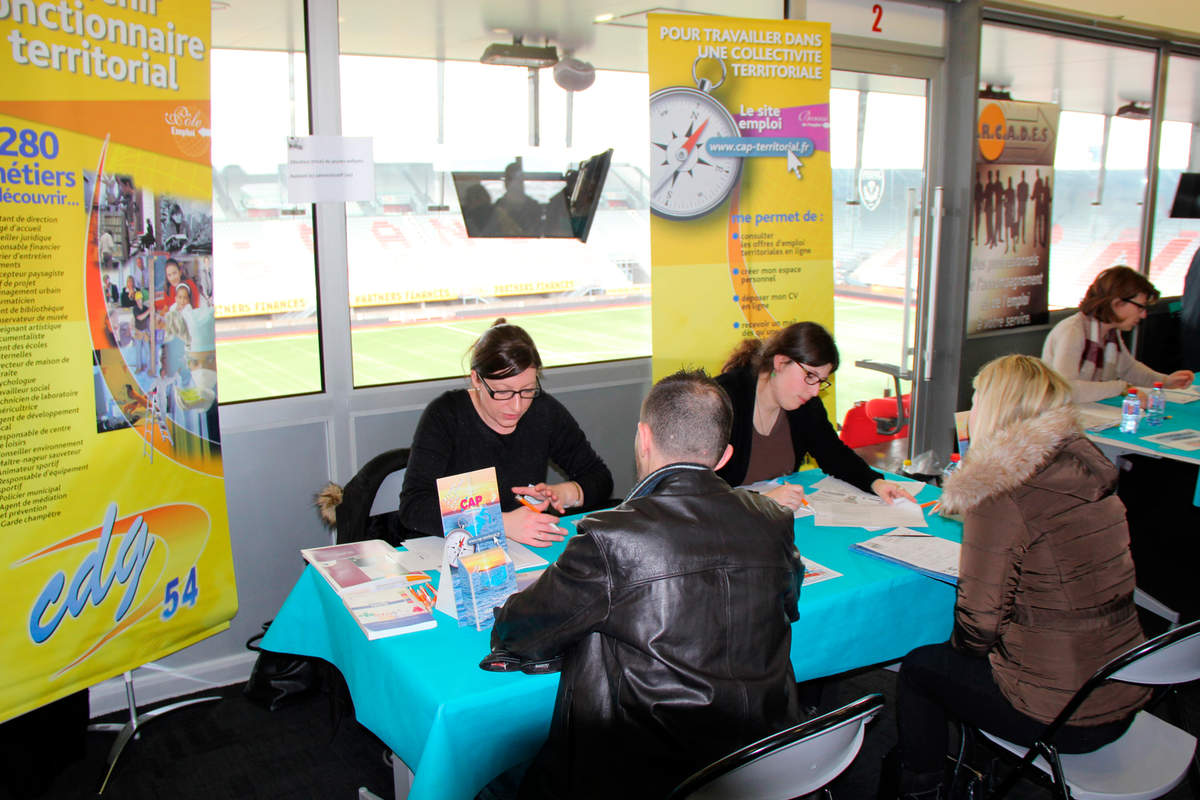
[789,763]
[359,496]
[1173,657]
[387,495]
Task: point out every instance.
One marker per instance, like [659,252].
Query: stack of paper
[393,606]
[836,503]
[928,554]
[1096,417]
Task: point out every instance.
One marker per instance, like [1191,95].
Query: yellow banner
[115,536]
[741,233]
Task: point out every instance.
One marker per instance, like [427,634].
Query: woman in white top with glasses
[1087,348]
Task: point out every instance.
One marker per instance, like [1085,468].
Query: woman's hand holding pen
[790,495]
[560,495]
[890,491]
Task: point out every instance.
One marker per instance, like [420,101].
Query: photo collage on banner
[741,233]
[1010,233]
[116,538]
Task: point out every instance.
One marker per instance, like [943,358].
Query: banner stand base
[130,729]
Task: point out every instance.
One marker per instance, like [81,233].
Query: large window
[265,281]
[421,290]
[1176,240]
[1100,165]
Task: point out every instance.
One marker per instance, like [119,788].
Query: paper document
[522,557]
[422,553]
[928,554]
[836,503]
[1181,396]
[1180,440]
[1097,417]
[815,573]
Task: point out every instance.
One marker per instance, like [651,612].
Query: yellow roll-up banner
[741,232]
[115,547]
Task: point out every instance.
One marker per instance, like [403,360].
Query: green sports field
[272,366]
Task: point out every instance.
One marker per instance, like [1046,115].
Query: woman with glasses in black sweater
[504,419]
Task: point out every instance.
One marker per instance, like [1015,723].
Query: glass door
[880,188]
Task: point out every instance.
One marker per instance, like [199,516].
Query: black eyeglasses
[1133,302]
[507,394]
[812,378]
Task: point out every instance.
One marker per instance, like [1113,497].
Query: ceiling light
[602,18]
[991,93]
[1132,110]
[519,55]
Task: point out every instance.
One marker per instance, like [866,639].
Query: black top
[811,433]
[451,438]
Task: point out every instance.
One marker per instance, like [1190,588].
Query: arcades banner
[1014,190]
[115,542]
[741,231]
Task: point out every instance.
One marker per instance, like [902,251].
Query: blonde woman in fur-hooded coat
[1045,592]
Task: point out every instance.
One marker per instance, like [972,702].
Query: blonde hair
[1013,388]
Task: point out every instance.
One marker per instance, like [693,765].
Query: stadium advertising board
[115,536]
[1010,252]
[741,233]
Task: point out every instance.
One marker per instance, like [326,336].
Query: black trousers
[939,684]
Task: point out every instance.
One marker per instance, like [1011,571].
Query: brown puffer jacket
[1046,578]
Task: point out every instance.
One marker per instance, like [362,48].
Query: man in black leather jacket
[672,613]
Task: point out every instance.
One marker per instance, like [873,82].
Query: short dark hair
[689,416]
[503,351]
[1115,283]
[802,342]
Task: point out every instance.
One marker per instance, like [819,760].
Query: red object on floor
[859,428]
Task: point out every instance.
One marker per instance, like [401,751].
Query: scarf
[1095,352]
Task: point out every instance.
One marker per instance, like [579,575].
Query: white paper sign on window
[330,169]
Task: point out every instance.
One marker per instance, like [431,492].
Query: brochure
[1188,439]
[473,580]
[924,552]
[354,566]
[393,606]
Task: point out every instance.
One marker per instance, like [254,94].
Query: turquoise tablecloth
[1183,416]
[458,726]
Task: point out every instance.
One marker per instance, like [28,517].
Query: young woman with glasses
[504,420]
[778,417]
[1087,347]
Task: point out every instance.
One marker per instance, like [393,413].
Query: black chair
[787,764]
[1150,759]
[366,507]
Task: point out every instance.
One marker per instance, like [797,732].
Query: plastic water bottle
[955,459]
[1157,408]
[1130,408]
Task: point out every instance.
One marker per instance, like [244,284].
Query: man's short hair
[689,416]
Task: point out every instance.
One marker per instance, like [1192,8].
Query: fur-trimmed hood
[1024,453]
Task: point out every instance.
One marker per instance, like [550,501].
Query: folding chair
[790,763]
[1150,759]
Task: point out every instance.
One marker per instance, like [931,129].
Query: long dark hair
[503,351]
[804,342]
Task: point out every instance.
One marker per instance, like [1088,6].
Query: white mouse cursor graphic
[794,165]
